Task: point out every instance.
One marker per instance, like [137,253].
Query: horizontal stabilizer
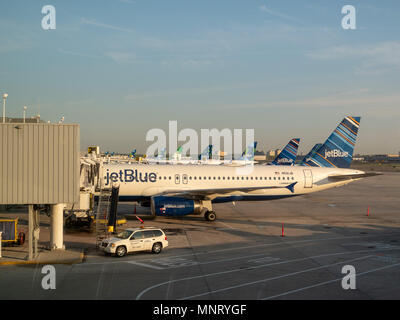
[354,176]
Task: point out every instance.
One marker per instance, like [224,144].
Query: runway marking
[327,282]
[227,226]
[256,246]
[266,259]
[281,243]
[274,278]
[143,265]
[138,297]
[174,262]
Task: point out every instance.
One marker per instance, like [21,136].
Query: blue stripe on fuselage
[218,199]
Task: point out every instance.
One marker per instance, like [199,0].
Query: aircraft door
[177,179]
[184,178]
[308,178]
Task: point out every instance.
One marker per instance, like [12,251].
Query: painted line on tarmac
[143,265]
[327,282]
[273,278]
[138,297]
[281,243]
[248,247]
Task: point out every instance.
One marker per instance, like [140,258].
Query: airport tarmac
[242,255]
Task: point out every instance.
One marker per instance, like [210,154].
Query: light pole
[4,107]
[25,107]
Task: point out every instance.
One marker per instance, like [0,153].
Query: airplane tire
[210,216]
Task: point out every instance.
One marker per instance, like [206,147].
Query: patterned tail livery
[337,151]
[310,154]
[288,155]
[248,154]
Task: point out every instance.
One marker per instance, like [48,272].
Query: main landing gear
[210,216]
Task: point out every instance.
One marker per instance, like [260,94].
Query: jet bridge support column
[57,227]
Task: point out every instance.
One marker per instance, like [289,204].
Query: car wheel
[121,251]
[157,247]
[210,216]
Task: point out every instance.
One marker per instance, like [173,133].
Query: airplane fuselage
[138,181]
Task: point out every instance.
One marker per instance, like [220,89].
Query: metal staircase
[102,215]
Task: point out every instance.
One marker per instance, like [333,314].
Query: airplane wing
[353,176]
[204,193]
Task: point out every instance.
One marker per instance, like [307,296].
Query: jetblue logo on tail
[336,153]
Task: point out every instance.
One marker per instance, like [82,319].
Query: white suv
[135,239]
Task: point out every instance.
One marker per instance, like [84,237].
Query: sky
[286,69]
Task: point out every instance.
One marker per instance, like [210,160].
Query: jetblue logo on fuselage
[129,175]
[336,153]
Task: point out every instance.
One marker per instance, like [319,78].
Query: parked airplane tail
[207,153]
[162,154]
[310,154]
[288,155]
[337,151]
[248,154]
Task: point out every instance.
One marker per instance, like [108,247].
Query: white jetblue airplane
[176,190]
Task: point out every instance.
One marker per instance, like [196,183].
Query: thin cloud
[373,58]
[121,57]
[345,100]
[278,14]
[78,54]
[104,25]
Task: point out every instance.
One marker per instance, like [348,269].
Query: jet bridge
[39,167]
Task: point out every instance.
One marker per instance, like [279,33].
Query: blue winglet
[291,186]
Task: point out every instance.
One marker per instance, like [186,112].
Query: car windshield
[124,234]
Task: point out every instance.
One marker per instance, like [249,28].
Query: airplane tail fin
[248,154]
[310,154]
[288,155]
[162,154]
[207,153]
[337,151]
